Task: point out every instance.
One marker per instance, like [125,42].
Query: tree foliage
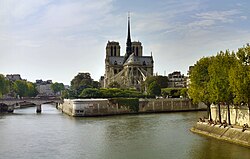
[162,81]
[82,81]
[200,79]
[240,76]
[24,88]
[90,93]
[4,85]
[57,87]
[173,92]
[110,93]
[224,78]
[154,89]
[219,85]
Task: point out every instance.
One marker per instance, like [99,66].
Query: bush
[174,92]
[132,103]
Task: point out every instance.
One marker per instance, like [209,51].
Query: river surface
[53,135]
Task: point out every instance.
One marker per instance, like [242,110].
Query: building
[14,77]
[130,70]
[189,73]
[177,80]
[44,87]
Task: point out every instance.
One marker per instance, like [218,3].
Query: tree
[154,89]
[219,85]
[184,93]
[21,88]
[174,92]
[57,87]
[199,77]
[24,88]
[240,76]
[91,93]
[31,89]
[4,85]
[82,81]
[162,81]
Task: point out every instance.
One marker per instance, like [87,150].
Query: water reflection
[209,148]
[52,134]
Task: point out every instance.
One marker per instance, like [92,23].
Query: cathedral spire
[129,43]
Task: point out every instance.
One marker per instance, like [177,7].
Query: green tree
[162,81]
[24,88]
[4,85]
[91,93]
[183,92]
[154,89]
[240,76]
[21,88]
[174,92]
[198,90]
[31,91]
[219,85]
[57,87]
[82,81]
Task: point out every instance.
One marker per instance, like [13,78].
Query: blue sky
[56,39]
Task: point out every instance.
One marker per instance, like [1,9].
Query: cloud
[243,17]
[15,10]
[214,18]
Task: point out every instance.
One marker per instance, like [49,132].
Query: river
[53,135]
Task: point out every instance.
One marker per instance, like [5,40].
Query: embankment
[233,135]
[102,107]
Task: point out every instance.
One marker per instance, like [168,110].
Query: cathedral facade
[130,70]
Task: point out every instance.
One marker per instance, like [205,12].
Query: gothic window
[111,50]
[115,71]
[115,63]
[144,63]
[114,50]
[137,51]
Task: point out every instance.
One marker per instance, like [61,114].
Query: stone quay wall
[168,105]
[239,115]
[102,107]
[229,134]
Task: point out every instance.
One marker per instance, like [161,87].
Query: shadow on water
[210,148]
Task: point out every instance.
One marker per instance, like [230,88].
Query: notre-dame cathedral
[130,70]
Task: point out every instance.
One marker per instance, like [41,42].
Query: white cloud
[214,17]
[243,17]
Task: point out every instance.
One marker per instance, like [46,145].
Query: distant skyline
[56,39]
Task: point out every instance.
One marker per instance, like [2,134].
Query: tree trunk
[249,107]
[219,112]
[209,111]
[248,103]
[228,114]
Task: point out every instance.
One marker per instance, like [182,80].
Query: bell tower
[112,49]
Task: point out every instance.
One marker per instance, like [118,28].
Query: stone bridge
[12,102]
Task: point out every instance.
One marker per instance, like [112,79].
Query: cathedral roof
[116,60]
[132,60]
[139,60]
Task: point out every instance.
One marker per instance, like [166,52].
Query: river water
[53,135]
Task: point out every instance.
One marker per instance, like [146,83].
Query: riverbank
[229,134]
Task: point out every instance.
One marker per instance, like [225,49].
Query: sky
[57,39]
